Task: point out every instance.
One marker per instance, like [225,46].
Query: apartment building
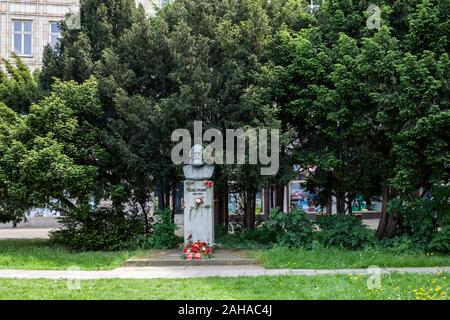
[27,26]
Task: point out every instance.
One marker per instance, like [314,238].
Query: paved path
[371,223]
[24,233]
[34,223]
[194,272]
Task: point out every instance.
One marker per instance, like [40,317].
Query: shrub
[242,239]
[426,219]
[418,219]
[398,244]
[97,229]
[344,231]
[163,231]
[292,229]
[110,229]
[284,229]
[441,240]
[161,236]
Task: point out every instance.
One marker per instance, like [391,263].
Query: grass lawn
[334,258]
[41,255]
[395,286]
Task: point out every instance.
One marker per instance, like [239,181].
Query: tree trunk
[167,195]
[349,205]
[174,199]
[340,203]
[329,206]
[144,212]
[161,197]
[279,201]
[266,195]
[225,215]
[388,225]
[272,198]
[217,206]
[249,209]
[221,204]
[368,203]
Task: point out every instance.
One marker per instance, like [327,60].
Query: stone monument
[198,198]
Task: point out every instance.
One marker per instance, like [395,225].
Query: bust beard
[198,172]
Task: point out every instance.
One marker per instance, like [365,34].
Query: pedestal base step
[172,258]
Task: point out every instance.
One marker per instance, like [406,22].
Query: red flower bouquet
[196,250]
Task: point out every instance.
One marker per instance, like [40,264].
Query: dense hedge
[110,229]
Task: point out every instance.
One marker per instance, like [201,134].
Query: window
[22,37]
[54,34]
[314,5]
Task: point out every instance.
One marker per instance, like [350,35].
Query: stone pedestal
[198,211]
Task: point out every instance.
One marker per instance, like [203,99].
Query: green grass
[41,255]
[395,286]
[335,258]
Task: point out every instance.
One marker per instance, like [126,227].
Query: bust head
[196,155]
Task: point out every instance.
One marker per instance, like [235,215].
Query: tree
[350,96]
[102,23]
[49,156]
[195,60]
[356,102]
[18,87]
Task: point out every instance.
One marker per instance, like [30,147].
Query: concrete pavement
[35,223]
[371,223]
[199,271]
[14,234]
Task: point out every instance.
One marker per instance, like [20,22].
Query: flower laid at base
[197,250]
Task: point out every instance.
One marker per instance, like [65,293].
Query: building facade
[27,26]
[150,6]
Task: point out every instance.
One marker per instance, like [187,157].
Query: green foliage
[243,239]
[193,60]
[369,107]
[50,153]
[441,240]
[162,234]
[440,195]
[419,220]
[97,229]
[399,244]
[18,87]
[107,228]
[290,230]
[344,231]
[426,220]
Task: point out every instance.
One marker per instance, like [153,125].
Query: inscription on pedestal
[198,198]
[198,211]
